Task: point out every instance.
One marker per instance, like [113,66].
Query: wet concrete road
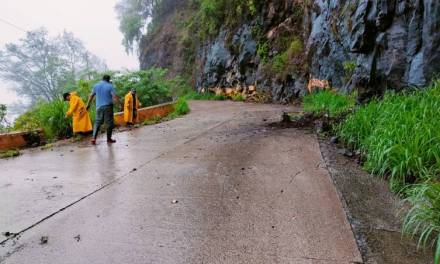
[217,186]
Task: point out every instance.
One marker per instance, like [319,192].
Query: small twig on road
[294,176]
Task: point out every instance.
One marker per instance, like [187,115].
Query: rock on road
[217,186]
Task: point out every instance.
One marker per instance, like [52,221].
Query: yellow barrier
[19,140]
[147,113]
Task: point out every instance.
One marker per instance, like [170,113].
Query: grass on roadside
[423,220]
[238,98]
[181,108]
[400,136]
[193,95]
[9,154]
[328,102]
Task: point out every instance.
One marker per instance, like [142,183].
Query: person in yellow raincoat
[131,107]
[79,114]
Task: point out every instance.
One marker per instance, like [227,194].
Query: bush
[4,125]
[296,47]
[46,115]
[328,102]
[400,138]
[193,95]
[210,15]
[238,98]
[181,107]
[289,61]
[151,85]
[349,68]
[423,219]
[279,62]
[9,154]
[263,52]
[400,135]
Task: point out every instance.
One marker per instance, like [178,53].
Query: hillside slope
[279,45]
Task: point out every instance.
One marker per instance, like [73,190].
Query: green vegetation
[423,219]
[193,95]
[213,14]
[399,138]
[399,135]
[328,102]
[155,120]
[152,86]
[287,62]
[263,52]
[181,108]
[4,125]
[133,16]
[279,62]
[9,154]
[296,47]
[349,67]
[238,98]
[46,115]
[41,66]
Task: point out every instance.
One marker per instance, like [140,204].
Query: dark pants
[104,114]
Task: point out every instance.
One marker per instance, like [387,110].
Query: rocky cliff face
[368,45]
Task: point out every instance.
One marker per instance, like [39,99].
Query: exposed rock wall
[354,44]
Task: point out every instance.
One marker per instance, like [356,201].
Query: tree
[41,67]
[3,122]
[134,16]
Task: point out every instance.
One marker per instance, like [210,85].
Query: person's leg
[110,123]
[99,120]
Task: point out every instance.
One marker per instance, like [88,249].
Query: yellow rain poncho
[79,114]
[129,104]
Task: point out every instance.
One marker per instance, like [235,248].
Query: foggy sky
[92,21]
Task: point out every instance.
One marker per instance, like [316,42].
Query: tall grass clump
[423,220]
[180,108]
[399,135]
[49,116]
[193,95]
[328,102]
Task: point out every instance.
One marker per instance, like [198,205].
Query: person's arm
[73,104]
[91,97]
[116,98]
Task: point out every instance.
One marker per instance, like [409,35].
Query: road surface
[217,186]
